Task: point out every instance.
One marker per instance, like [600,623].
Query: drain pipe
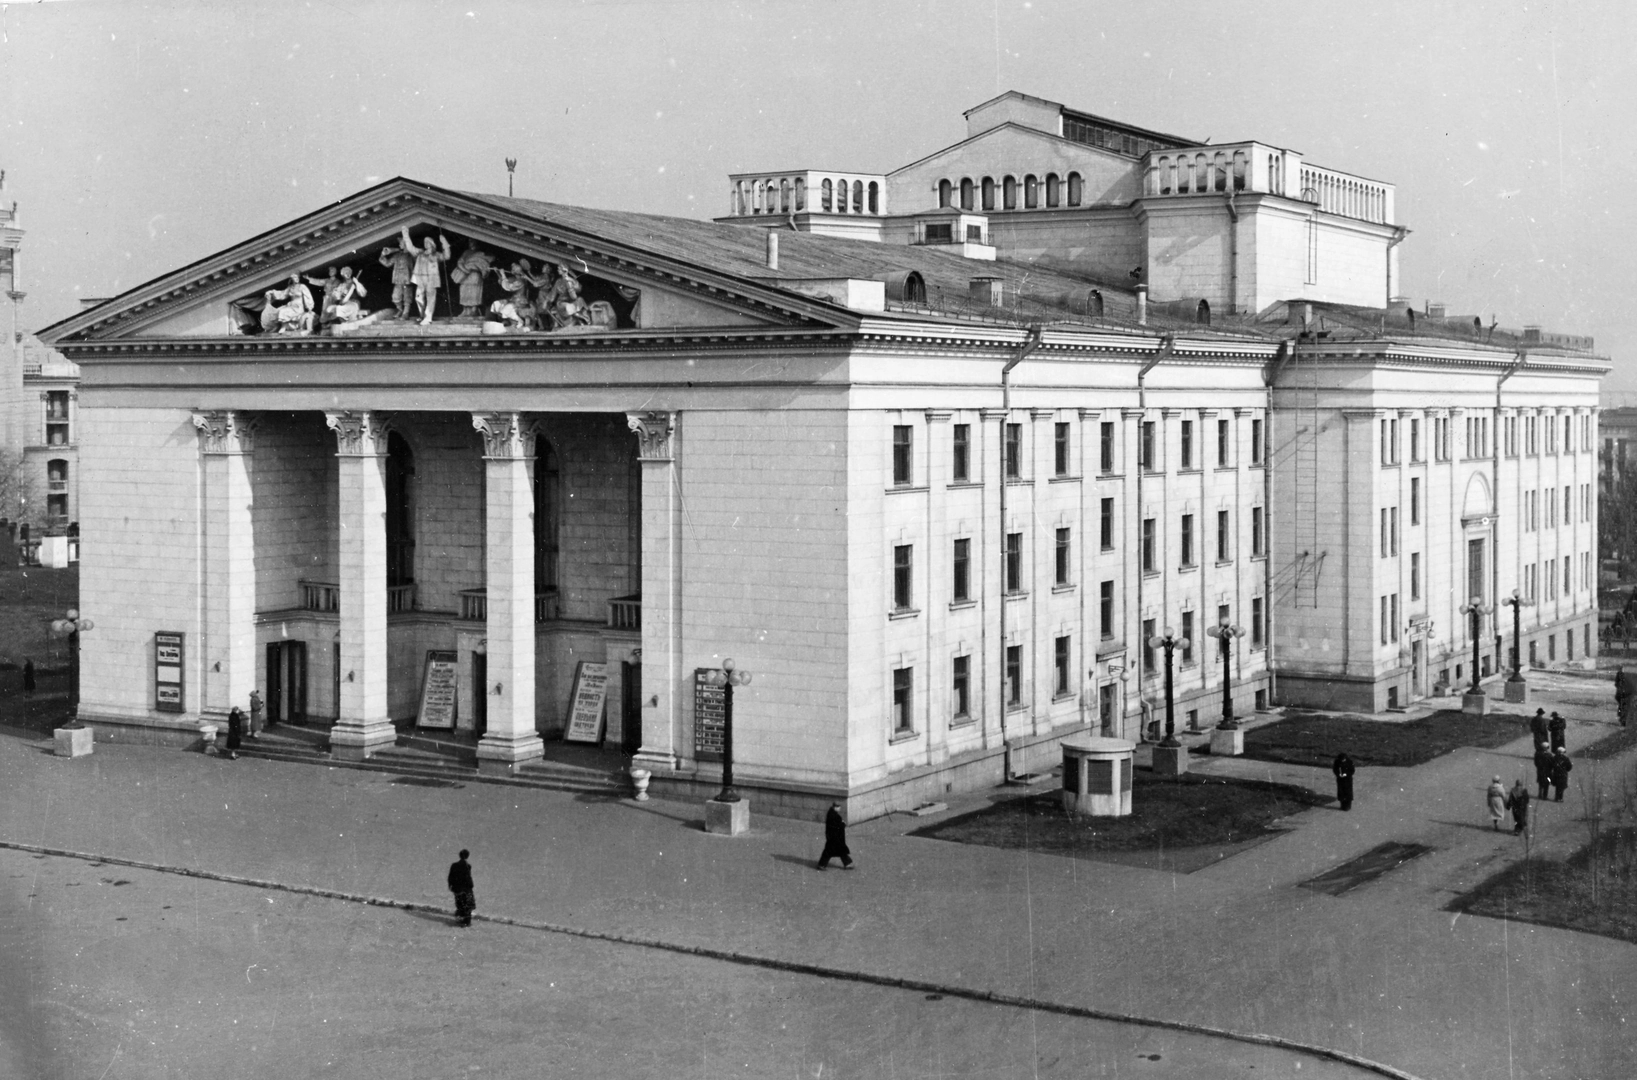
[1286,353]
[1520,358]
[1167,346]
[1399,233]
[1031,342]
[1233,255]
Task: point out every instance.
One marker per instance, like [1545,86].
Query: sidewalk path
[1381,971]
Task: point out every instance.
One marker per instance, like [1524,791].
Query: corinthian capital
[225,431]
[654,431]
[505,435]
[359,434]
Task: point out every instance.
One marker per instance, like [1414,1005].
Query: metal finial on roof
[511,167]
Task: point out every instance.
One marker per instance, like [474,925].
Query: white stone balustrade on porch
[400,598]
[320,596]
[1255,167]
[807,190]
[1347,196]
[625,613]
[474,605]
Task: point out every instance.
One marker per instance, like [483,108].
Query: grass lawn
[30,597]
[1314,739]
[1621,740]
[1561,893]
[1167,812]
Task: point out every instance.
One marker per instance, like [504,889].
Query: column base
[1517,692]
[654,761]
[1227,742]
[355,740]
[1170,760]
[727,818]
[1474,703]
[499,754]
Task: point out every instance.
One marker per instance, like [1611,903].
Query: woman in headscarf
[1497,802]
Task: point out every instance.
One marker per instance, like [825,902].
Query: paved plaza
[329,956]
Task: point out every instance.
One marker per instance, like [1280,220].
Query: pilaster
[228,565]
[662,668]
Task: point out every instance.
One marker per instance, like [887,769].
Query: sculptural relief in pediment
[428,281]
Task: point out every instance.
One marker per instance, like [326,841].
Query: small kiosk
[1097,776]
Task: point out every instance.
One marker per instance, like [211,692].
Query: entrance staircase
[445,758]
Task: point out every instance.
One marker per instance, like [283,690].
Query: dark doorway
[286,682]
[480,694]
[399,511]
[630,707]
[1108,704]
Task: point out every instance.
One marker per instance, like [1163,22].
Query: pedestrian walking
[255,714]
[1518,803]
[1497,802]
[1561,766]
[460,883]
[235,732]
[1343,768]
[835,839]
[28,678]
[1538,726]
[1543,768]
[1557,728]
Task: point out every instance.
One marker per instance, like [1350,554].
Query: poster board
[440,686]
[586,707]
[709,716]
[167,671]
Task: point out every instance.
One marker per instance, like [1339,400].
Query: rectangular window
[1568,503]
[1106,525]
[1147,646]
[1394,534]
[1014,674]
[1394,607]
[56,419]
[1060,667]
[1256,442]
[1386,447]
[1188,637]
[1060,451]
[1148,545]
[1415,575]
[902,434]
[960,697]
[1062,564]
[903,717]
[1509,427]
[1105,610]
[1223,444]
[1223,550]
[1384,542]
[1415,440]
[1105,458]
[960,468]
[1145,452]
[1014,562]
[1256,530]
[1014,451]
[1187,444]
[1568,579]
[902,581]
[1256,631]
[963,571]
[1415,500]
[1187,539]
[1392,438]
[1384,620]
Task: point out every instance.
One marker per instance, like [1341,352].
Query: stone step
[552,776]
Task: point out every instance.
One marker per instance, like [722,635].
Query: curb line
[749,959]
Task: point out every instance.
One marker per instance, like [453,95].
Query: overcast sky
[138,137]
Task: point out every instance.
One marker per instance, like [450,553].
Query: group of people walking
[1552,768]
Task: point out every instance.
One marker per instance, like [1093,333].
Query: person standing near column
[235,729]
[460,883]
[835,839]
[1343,768]
[255,713]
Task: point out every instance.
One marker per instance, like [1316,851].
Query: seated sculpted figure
[516,311]
[562,302]
[294,315]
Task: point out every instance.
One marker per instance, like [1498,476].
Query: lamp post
[1473,702]
[70,627]
[1517,689]
[727,677]
[1225,632]
[1170,644]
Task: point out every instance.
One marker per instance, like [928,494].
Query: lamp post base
[727,818]
[1227,742]
[1170,760]
[1517,691]
[1474,703]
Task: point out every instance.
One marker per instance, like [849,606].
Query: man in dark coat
[1543,767]
[835,839]
[1560,772]
[28,678]
[235,731]
[1557,728]
[460,883]
[1343,768]
[1518,803]
[1538,726]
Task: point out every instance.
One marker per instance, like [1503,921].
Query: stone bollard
[72,742]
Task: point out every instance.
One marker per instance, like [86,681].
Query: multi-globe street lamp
[71,626]
[727,677]
[1225,633]
[1517,603]
[1477,609]
[1170,643]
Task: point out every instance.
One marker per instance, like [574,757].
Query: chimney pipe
[772,250]
[1142,305]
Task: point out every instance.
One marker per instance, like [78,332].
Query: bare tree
[19,487]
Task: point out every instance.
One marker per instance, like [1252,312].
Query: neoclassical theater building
[935,487]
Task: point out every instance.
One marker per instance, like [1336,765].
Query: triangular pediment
[494,267]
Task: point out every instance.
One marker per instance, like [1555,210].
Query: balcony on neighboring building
[1254,167]
[625,613]
[803,191]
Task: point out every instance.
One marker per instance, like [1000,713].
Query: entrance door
[286,682]
[480,694]
[1418,670]
[631,707]
[1108,706]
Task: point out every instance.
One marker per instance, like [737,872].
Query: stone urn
[639,781]
[207,732]
[72,741]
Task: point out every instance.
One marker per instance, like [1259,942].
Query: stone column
[508,568]
[365,724]
[229,565]
[665,682]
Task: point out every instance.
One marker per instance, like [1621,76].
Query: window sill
[906,489]
[962,605]
[901,737]
[1111,476]
[1150,573]
[1019,481]
[1017,596]
[1187,568]
[1259,557]
[1067,695]
[1064,588]
[1226,468]
[965,484]
[1224,562]
[1065,480]
[1189,470]
[1013,707]
[903,613]
[962,721]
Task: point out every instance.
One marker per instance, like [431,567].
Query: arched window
[858,196]
[1052,192]
[1031,192]
[400,511]
[734,203]
[825,196]
[56,498]
[1272,174]
[1239,170]
[1220,164]
[784,197]
[875,197]
[946,191]
[801,194]
[548,501]
[1008,193]
[966,193]
[841,196]
[1202,174]
[988,193]
[1075,191]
